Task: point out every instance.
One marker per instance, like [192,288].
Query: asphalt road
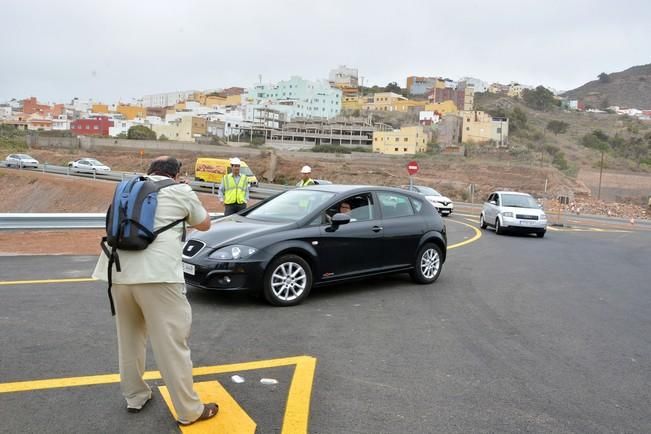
[519,334]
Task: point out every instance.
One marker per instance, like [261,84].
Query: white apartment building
[344,76]
[302,98]
[166,99]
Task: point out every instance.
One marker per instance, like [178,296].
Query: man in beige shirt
[150,301]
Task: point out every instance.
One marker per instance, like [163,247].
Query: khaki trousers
[161,311]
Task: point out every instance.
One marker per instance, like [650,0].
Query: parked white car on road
[443,204]
[20,160]
[510,210]
[88,165]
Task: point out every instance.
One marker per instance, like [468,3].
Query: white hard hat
[306,169]
[235,161]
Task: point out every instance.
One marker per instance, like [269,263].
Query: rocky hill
[630,88]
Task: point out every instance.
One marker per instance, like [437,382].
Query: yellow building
[480,127]
[515,90]
[409,105]
[217,98]
[406,140]
[99,108]
[184,129]
[383,101]
[443,108]
[353,102]
[131,111]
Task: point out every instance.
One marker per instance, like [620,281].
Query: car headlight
[233,252]
[543,217]
[507,214]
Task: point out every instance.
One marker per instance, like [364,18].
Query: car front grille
[526,217]
[192,247]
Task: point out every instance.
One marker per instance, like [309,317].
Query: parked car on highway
[513,211]
[443,204]
[298,239]
[88,165]
[20,160]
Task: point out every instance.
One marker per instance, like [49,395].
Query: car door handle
[376,228]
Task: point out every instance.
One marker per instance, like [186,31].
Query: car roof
[512,192]
[352,189]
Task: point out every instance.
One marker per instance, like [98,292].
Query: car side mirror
[339,219]
[492,202]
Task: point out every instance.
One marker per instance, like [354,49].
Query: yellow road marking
[473,239]
[28,282]
[297,409]
[230,419]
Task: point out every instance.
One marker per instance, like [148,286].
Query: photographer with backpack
[145,275]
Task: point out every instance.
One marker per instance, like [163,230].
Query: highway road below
[519,334]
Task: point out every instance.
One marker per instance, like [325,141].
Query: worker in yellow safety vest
[234,189]
[306,171]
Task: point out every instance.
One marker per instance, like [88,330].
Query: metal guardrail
[262,191]
[30,221]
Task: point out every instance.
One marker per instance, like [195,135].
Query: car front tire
[428,264]
[540,234]
[287,281]
[498,227]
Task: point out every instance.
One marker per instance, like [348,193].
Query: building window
[397,139]
[405,149]
[406,139]
[467,128]
[396,149]
[499,130]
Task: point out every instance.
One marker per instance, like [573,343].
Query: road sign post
[412,169]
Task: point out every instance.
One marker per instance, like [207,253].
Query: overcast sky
[118,50]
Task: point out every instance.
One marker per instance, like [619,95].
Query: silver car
[20,160]
[513,211]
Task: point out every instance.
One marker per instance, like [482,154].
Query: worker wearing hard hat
[306,171]
[234,189]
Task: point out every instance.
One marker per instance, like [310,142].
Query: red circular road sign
[412,167]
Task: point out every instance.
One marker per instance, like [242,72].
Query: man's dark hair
[169,166]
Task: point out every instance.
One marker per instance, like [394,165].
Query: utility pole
[601,170]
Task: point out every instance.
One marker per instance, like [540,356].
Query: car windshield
[519,201]
[428,191]
[95,162]
[24,157]
[291,206]
[246,171]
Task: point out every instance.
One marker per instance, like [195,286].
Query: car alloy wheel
[482,223]
[288,281]
[428,264]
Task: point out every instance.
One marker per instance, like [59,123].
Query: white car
[510,210]
[89,165]
[20,160]
[443,204]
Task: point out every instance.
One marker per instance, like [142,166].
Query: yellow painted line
[230,419]
[33,282]
[297,409]
[471,240]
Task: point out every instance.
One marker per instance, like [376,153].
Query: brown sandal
[209,411]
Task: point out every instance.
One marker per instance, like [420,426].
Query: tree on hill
[140,132]
[557,127]
[393,87]
[604,78]
[597,139]
[540,98]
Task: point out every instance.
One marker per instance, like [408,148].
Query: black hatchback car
[312,236]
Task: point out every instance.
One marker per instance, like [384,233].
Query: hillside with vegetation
[630,88]
[569,140]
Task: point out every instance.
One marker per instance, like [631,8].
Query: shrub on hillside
[331,149]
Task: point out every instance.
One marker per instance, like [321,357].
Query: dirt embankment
[31,192]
